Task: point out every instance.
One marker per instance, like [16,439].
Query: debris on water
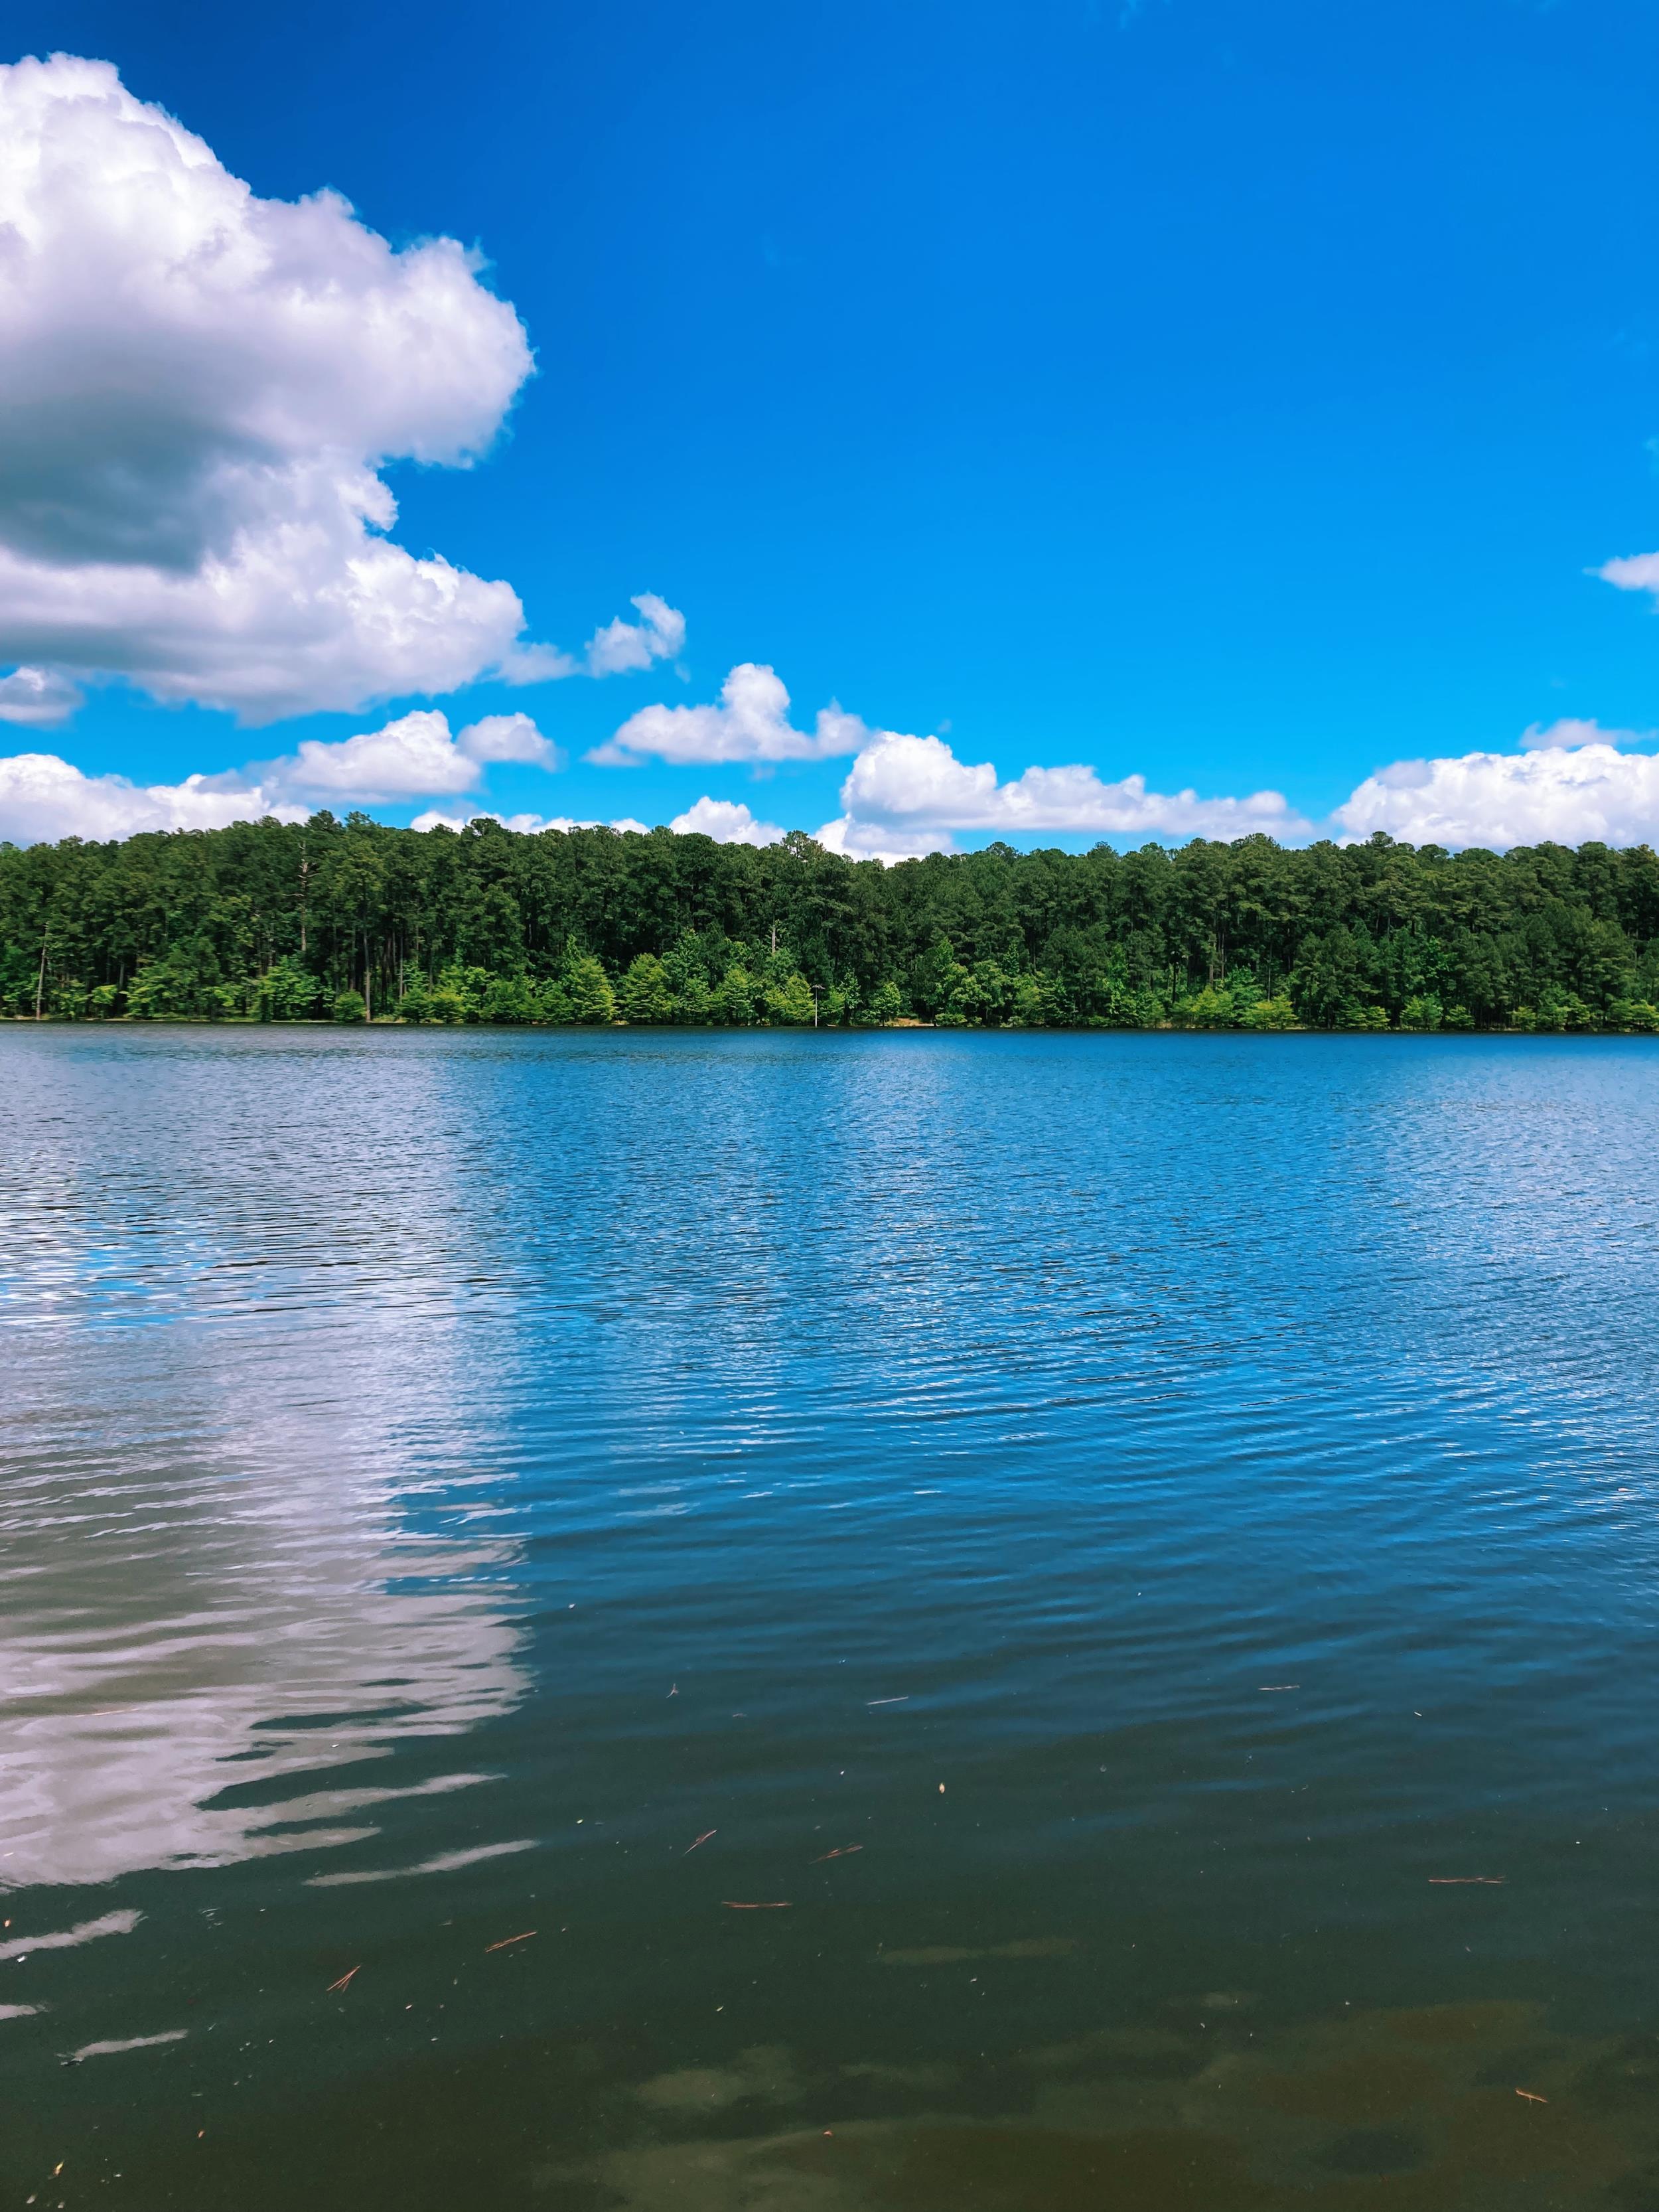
[1532,2096]
[904,1700]
[506,1940]
[344,1982]
[702,1838]
[775,1904]
[846,1852]
[1466,1881]
[1271,1688]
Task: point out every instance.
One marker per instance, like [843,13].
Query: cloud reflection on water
[204,1604]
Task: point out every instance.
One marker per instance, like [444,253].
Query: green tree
[287,992]
[587,991]
[789,1004]
[1269,1014]
[643,994]
[738,996]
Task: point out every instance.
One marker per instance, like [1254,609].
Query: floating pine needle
[1532,2096]
[904,1700]
[1466,1881]
[506,1940]
[846,1852]
[674,1691]
[780,1905]
[344,1982]
[702,1838]
[1269,1689]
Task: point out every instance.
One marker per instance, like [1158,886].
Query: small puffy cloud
[1637,571]
[751,723]
[1566,792]
[613,650]
[914,783]
[43,799]
[508,737]
[528,824]
[728,821]
[621,646]
[413,757]
[38,698]
[200,388]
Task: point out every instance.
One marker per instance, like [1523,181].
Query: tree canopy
[352,919]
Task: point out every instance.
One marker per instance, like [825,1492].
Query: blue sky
[1237,394]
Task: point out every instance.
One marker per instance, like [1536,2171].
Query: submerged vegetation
[353,921]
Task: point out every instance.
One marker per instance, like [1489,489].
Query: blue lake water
[1136,1555]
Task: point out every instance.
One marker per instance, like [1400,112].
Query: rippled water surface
[765,1623]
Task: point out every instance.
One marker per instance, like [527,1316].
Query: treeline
[351,919]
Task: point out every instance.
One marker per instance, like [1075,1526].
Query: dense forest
[351,920]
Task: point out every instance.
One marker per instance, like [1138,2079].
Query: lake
[770,1622]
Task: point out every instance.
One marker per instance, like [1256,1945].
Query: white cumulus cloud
[751,723]
[435,818]
[1572,783]
[200,387]
[728,821]
[879,841]
[1637,571]
[910,783]
[43,799]
[413,757]
[621,646]
[615,649]
[38,698]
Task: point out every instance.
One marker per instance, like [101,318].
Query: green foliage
[348,1006]
[287,992]
[587,990]
[289,921]
[789,1003]
[643,994]
[508,998]
[883,1005]
[1269,1014]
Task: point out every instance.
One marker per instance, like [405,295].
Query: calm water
[1105,1537]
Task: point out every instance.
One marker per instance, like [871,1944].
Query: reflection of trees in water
[219,1590]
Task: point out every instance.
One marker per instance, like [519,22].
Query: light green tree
[587,990]
[789,1005]
[643,994]
[736,999]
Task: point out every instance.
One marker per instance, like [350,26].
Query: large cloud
[751,723]
[914,784]
[43,798]
[200,390]
[1571,783]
